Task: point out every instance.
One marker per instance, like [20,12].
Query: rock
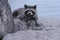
[6,19]
[34,35]
[25,35]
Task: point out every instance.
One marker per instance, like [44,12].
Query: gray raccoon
[27,14]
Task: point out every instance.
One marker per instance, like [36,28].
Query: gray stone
[6,19]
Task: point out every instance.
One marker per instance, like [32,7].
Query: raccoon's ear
[35,6]
[25,6]
[15,14]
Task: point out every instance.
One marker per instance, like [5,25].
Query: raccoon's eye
[33,12]
[26,12]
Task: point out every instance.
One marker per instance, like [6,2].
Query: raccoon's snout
[30,14]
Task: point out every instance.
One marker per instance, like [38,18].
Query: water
[46,8]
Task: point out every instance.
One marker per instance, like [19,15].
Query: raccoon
[27,14]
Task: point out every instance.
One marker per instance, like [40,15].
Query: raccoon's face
[30,11]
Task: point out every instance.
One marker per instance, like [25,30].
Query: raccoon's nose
[30,13]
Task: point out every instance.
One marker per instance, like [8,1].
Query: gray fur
[20,14]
